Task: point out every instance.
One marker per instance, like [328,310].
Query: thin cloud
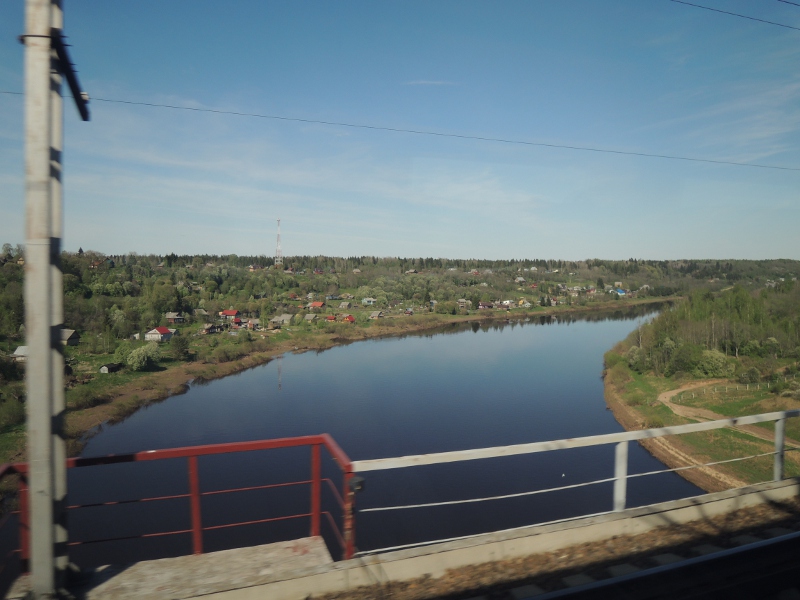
[430,82]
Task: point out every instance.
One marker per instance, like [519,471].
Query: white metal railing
[620,478]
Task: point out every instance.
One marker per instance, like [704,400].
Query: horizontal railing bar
[255,487]
[378,464]
[700,465]
[256,522]
[335,528]
[130,537]
[474,535]
[205,450]
[503,497]
[116,502]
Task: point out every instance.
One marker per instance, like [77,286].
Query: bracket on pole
[68,70]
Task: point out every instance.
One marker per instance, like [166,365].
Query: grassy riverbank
[94,400]
[645,400]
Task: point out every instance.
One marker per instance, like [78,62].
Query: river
[465,386]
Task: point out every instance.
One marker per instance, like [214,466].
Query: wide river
[466,386]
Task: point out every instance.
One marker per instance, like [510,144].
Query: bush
[180,347]
[750,376]
[686,358]
[713,363]
[144,358]
[122,352]
[618,375]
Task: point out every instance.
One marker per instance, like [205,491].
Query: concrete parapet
[434,560]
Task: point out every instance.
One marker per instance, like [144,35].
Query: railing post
[194,491]
[315,490]
[620,475]
[348,522]
[780,438]
[24,523]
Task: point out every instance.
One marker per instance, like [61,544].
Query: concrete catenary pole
[38,295]
[57,306]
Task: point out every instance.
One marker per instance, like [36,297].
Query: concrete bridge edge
[436,559]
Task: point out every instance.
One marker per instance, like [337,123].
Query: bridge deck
[192,576]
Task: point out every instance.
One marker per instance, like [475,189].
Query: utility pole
[45,60]
[278,251]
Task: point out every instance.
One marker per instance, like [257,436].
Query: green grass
[724,444]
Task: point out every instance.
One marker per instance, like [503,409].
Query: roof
[230,312]
[310,317]
[173,315]
[66,334]
[21,351]
[161,330]
[375,313]
[317,304]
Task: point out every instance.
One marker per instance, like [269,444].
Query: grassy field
[639,393]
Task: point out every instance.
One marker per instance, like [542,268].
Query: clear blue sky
[654,77]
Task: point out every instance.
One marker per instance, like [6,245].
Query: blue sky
[655,77]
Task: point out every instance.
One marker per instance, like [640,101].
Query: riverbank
[121,401]
[643,401]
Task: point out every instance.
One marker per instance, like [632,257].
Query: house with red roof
[316,305]
[229,314]
[159,334]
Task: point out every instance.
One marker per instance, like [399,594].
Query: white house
[159,334]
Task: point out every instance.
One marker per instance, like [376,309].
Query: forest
[733,333]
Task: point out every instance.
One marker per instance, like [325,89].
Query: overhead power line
[442,134]
[787,2]
[725,12]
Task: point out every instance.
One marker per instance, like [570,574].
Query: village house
[345,305]
[376,314]
[69,337]
[330,318]
[210,328]
[229,314]
[347,296]
[368,301]
[174,317]
[254,324]
[200,312]
[280,321]
[356,271]
[20,354]
[309,318]
[464,304]
[485,305]
[349,319]
[519,280]
[316,305]
[159,334]
[111,367]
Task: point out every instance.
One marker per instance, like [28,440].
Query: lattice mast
[278,251]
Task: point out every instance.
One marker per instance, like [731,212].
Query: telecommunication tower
[278,251]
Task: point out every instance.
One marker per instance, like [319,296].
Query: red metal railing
[345,500]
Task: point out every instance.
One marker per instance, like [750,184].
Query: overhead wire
[787,2]
[725,12]
[442,134]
